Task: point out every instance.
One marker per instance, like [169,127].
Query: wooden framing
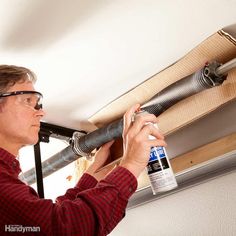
[197,156]
[204,153]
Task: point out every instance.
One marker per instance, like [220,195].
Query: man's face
[19,121]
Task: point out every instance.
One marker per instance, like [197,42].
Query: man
[98,201]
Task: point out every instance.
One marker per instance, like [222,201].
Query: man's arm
[91,177]
[95,211]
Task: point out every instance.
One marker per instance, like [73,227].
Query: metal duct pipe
[209,76]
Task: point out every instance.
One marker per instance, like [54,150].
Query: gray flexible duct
[82,145]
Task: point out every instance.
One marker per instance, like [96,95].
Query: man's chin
[35,141]
[31,141]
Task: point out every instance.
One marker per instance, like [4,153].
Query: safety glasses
[30,98]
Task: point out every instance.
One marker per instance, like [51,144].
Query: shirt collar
[12,164]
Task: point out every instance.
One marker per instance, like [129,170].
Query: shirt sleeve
[85,182]
[93,211]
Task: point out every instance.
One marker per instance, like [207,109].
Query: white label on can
[160,172]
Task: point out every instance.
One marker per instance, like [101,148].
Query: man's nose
[40,112]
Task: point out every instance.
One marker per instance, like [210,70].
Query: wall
[206,209]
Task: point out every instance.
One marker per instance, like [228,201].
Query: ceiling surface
[87,53]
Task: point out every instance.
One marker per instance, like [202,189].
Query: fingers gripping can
[159,169]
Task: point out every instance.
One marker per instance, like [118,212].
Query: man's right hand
[136,142]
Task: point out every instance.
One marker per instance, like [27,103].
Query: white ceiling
[87,53]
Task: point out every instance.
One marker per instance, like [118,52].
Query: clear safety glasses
[29,98]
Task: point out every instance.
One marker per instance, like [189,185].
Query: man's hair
[10,74]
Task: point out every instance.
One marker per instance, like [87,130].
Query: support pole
[38,169]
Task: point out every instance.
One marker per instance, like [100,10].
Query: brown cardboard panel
[221,46]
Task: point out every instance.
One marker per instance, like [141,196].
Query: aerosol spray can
[159,170]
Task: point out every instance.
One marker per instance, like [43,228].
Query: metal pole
[222,70]
[38,169]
